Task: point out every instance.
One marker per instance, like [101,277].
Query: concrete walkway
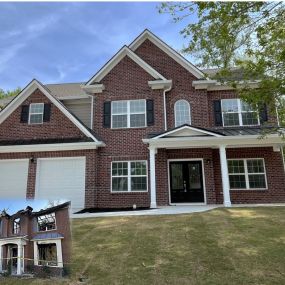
[166,210]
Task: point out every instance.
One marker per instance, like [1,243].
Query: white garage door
[13,178]
[62,178]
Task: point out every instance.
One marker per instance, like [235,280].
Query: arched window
[182,113]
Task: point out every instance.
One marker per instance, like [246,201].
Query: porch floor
[166,210]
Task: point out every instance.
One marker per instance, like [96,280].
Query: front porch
[12,253]
[187,146]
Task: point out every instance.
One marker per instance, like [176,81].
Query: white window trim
[239,111]
[129,176]
[30,113]
[46,230]
[246,174]
[58,251]
[128,114]
[189,108]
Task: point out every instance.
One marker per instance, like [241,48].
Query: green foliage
[5,94]
[248,35]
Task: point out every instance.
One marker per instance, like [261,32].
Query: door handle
[184,184]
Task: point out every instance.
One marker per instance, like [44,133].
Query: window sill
[133,128]
[250,189]
[128,192]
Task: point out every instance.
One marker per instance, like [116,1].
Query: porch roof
[44,236]
[190,136]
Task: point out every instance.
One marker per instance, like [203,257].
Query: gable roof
[187,131]
[148,35]
[28,90]
[124,51]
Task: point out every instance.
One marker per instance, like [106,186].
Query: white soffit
[185,131]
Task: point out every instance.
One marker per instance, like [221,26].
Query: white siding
[81,108]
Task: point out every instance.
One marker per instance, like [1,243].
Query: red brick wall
[59,125]
[127,81]
[182,84]
[162,172]
[274,171]
[91,167]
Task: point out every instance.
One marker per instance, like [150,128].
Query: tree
[247,35]
[7,94]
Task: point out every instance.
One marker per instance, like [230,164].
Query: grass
[223,246]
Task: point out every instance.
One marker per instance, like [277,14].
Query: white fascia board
[214,85]
[125,51]
[189,128]
[27,91]
[230,141]
[95,88]
[74,97]
[51,147]
[160,84]
[168,50]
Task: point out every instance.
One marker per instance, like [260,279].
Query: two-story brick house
[30,240]
[148,129]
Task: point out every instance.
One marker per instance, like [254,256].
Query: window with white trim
[46,222]
[235,112]
[128,114]
[47,253]
[247,174]
[182,113]
[36,113]
[129,176]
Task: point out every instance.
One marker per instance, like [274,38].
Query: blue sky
[69,42]
[13,206]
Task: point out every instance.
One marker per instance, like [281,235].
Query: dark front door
[186,182]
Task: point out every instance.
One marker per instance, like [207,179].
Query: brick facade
[126,81]
[58,127]
[29,230]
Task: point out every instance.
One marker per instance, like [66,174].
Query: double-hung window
[36,113]
[129,176]
[128,114]
[247,174]
[235,112]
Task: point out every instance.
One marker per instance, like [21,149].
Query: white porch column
[225,176]
[152,153]
[1,258]
[19,259]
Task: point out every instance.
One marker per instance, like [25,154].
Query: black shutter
[107,115]
[25,114]
[263,116]
[150,112]
[218,113]
[47,111]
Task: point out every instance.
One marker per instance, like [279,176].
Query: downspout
[164,105]
[92,110]
[281,147]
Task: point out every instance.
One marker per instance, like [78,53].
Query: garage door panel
[62,179]
[13,178]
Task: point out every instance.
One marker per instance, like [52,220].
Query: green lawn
[222,246]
